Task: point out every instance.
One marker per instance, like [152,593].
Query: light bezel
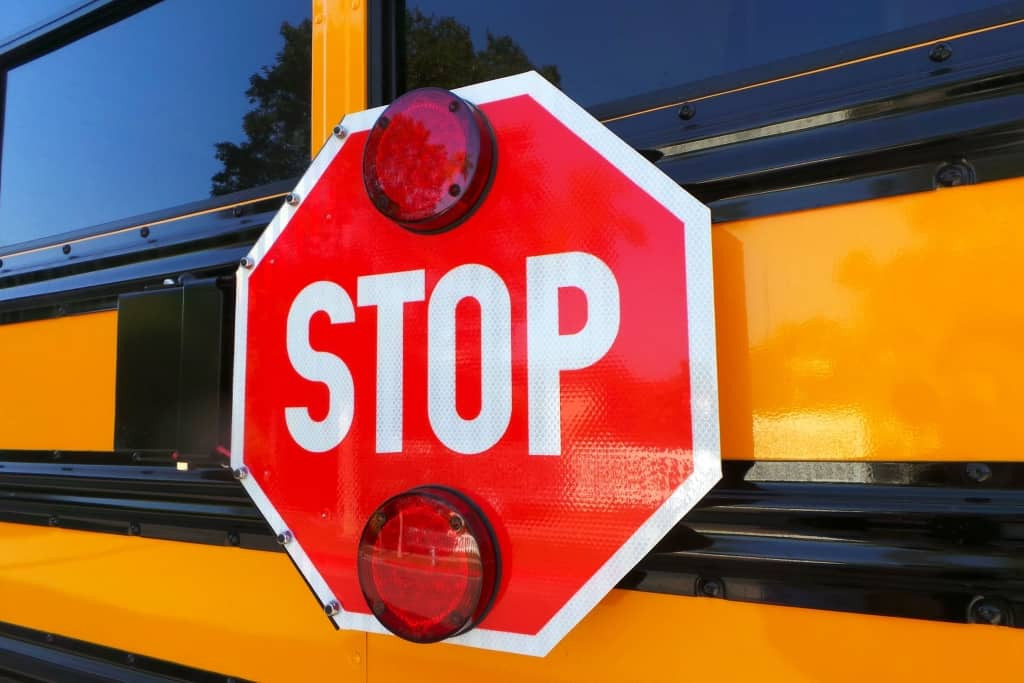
[475,523]
[477,187]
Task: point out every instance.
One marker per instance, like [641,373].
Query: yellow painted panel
[339,64]
[881,330]
[248,613]
[238,612]
[635,636]
[58,378]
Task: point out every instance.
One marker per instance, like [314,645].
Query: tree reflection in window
[439,51]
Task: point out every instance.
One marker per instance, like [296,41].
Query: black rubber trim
[30,655]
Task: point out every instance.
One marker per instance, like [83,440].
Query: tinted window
[16,17]
[599,51]
[183,100]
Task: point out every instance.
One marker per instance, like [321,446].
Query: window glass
[598,51]
[183,100]
[16,17]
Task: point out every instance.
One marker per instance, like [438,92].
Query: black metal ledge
[29,655]
[940,541]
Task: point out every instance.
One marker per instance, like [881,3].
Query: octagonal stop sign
[549,360]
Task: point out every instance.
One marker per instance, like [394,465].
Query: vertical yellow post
[339,64]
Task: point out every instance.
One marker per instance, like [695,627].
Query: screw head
[292,199]
[940,52]
[134,529]
[340,132]
[711,588]
[332,608]
[144,232]
[978,472]
[456,523]
[285,537]
[241,473]
[66,248]
[992,611]
[453,106]
[53,521]
[952,175]
[454,190]
[687,111]
[247,262]
[234,538]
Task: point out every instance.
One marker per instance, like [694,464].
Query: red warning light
[428,564]
[428,160]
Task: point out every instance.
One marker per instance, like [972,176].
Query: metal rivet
[285,537]
[144,232]
[66,248]
[292,199]
[234,538]
[687,111]
[134,529]
[978,472]
[711,588]
[332,608]
[53,521]
[247,262]
[241,473]
[130,658]
[340,132]
[992,611]
[456,523]
[169,281]
[136,456]
[940,52]
[954,174]
[453,106]
[454,190]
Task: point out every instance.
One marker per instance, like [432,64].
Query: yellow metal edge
[879,330]
[59,380]
[339,64]
[248,613]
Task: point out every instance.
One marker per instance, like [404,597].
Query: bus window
[168,106]
[602,51]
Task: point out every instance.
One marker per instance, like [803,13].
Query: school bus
[863,163]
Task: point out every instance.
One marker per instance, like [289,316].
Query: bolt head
[144,232]
[711,588]
[332,608]
[456,523]
[292,199]
[66,248]
[992,611]
[285,537]
[241,473]
[979,472]
[247,262]
[940,52]
[340,132]
[687,111]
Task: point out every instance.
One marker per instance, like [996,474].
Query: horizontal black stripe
[926,540]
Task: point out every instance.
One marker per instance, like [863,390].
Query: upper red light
[428,160]
[428,564]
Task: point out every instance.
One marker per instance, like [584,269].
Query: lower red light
[428,564]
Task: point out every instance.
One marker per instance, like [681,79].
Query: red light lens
[428,564]
[428,160]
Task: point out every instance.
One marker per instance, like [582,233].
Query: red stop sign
[551,358]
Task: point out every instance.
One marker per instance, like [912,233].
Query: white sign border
[703,364]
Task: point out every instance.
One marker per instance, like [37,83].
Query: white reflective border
[703,364]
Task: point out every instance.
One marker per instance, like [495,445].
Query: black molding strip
[932,540]
[27,654]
